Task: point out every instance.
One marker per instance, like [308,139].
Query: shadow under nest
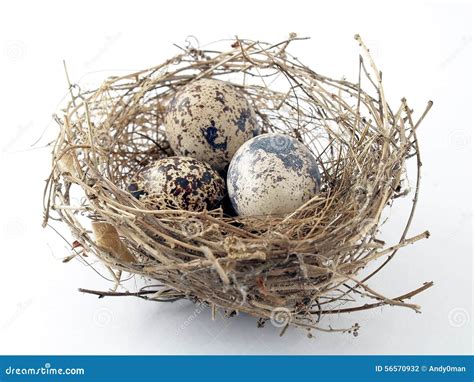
[290,269]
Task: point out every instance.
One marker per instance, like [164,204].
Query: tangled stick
[306,263]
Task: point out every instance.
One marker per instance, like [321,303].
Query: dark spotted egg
[179,183]
[209,120]
[272,174]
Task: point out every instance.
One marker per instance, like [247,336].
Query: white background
[425,51]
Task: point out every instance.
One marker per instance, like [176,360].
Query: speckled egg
[209,120]
[181,183]
[272,174]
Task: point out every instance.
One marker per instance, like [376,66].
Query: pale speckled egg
[179,183]
[209,120]
[272,174]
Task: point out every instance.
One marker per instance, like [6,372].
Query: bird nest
[290,269]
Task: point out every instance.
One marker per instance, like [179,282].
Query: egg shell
[181,183]
[272,174]
[209,120]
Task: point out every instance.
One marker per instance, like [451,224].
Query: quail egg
[209,120]
[272,174]
[179,183]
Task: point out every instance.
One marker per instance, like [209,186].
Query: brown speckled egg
[272,174]
[209,120]
[179,183]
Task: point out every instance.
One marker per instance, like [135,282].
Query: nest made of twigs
[291,269]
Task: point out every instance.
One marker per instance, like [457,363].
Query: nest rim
[225,250]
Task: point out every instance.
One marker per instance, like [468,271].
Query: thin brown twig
[251,264]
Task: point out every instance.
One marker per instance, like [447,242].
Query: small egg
[179,183]
[209,120]
[272,174]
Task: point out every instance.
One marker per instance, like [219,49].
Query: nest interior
[291,269]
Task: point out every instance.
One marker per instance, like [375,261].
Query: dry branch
[304,262]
